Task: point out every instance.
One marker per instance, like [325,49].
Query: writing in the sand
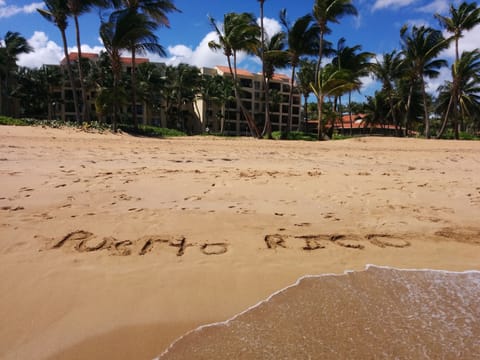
[321,241]
[85,241]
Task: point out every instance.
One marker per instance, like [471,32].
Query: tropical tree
[331,81]
[14,44]
[420,47]
[326,12]
[387,71]
[306,77]
[155,11]
[465,87]
[461,19]
[121,31]
[356,62]
[240,33]
[76,8]
[57,12]
[302,38]
[268,126]
[150,82]
[274,57]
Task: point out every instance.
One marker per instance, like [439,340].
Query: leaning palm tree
[155,11]
[325,12]
[302,38]
[57,13]
[421,46]
[240,33]
[118,34]
[387,71]
[465,85]
[461,19]
[14,45]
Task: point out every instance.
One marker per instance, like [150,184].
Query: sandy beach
[114,246]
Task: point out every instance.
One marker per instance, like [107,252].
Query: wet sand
[377,313]
[113,246]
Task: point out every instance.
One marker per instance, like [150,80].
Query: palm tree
[421,46]
[240,33]
[306,77]
[155,11]
[119,33]
[274,57]
[356,63]
[388,70]
[15,44]
[461,19]
[465,87]
[325,12]
[57,12]
[331,81]
[76,8]
[268,125]
[302,39]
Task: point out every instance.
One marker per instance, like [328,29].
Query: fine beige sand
[112,246]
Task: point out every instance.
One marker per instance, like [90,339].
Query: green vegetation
[5,120]
[150,131]
[168,95]
[293,135]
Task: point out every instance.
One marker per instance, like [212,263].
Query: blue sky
[376,29]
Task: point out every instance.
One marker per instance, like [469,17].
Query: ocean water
[378,313]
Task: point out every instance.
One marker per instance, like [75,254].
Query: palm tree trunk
[445,119]
[290,101]
[267,130]
[70,75]
[407,110]
[320,115]
[392,110]
[320,96]
[251,124]
[86,105]
[425,109]
[268,126]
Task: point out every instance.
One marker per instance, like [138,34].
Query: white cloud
[45,52]
[271,26]
[468,42]
[383,4]
[7,11]
[433,84]
[437,6]
[201,56]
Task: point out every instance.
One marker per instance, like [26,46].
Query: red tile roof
[240,72]
[73,56]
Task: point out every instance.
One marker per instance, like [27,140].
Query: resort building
[212,114]
[202,114]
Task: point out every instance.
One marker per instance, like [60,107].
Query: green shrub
[150,131]
[5,120]
[293,135]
